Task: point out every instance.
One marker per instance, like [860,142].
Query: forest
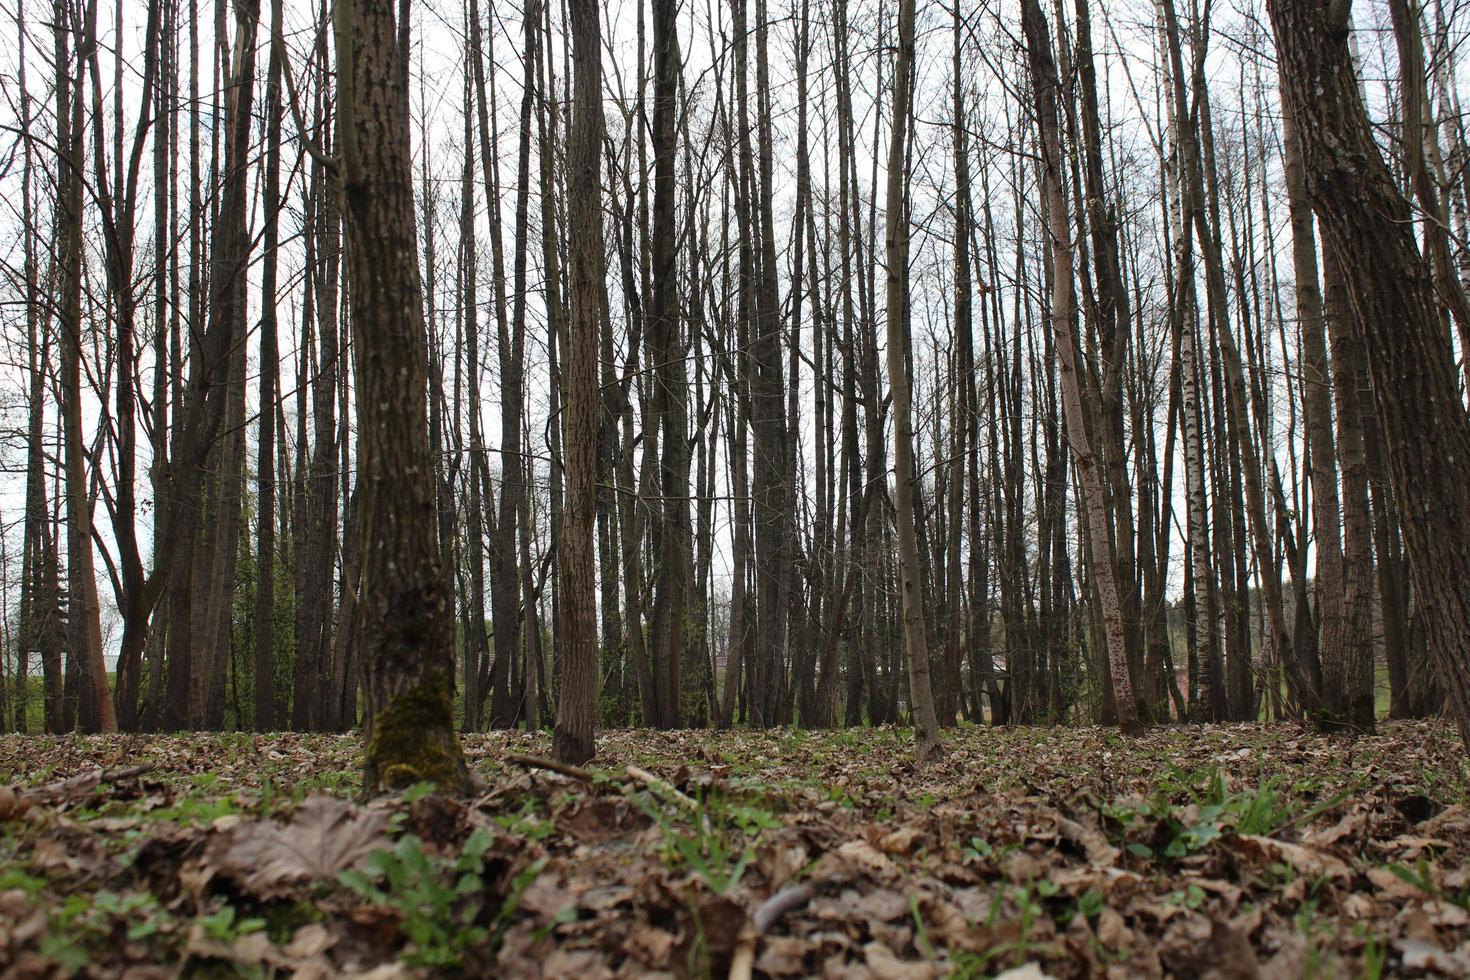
[734,487]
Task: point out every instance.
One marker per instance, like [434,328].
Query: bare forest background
[986,351]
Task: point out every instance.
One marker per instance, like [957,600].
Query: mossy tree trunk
[405,614]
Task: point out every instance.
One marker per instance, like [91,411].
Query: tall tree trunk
[1063,319]
[265,555]
[317,524]
[1354,666]
[572,740]
[405,616]
[906,488]
[96,709]
[40,614]
[1343,631]
[1365,224]
[670,380]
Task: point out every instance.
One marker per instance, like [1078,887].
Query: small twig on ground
[767,914]
[551,765]
[649,779]
[79,784]
[788,899]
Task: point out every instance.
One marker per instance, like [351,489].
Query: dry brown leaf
[1452,819]
[861,856]
[1112,931]
[783,956]
[1290,961]
[53,855]
[1409,846]
[1228,955]
[778,862]
[547,896]
[1351,823]
[1421,955]
[327,835]
[1099,851]
[1305,860]
[650,946]
[247,950]
[885,965]
[581,964]
[308,941]
[901,841]
[1391,885]
[387,971]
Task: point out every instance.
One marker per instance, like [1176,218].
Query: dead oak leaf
[902,840]
[885,965]
[244,950]
[53,855]
[1391,886]
[1095,845]
[863,858]
[1304,860]
[1426,957]
[309,941]
[327,835]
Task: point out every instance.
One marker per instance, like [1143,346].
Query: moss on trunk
[413,741]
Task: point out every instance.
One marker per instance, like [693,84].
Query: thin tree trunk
[1062,321]
[576,709]
[265,555]
[906,489]
[96,710]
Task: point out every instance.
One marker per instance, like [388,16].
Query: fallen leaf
[247,950]
[1418,954]
[1096,846]
[862,856]
[901,841]
[1305,860]
[327,835]
[308,941]
[887,966]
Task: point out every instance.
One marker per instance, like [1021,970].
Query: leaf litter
[1204,851]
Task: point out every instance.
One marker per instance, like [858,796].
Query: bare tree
[1365,227]
[405,618]
[577,704]
[896,240]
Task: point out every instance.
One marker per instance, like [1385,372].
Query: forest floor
[1225,851]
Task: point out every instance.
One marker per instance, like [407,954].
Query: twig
[743,961]
[551,765]
[649,779]
[788,899]
[767,914]
[87,780]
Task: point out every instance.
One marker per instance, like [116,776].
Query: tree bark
[906,489]
[1062,321]
[572,740]
[96,710]
[1365,224]
[265,555]
[405,615]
